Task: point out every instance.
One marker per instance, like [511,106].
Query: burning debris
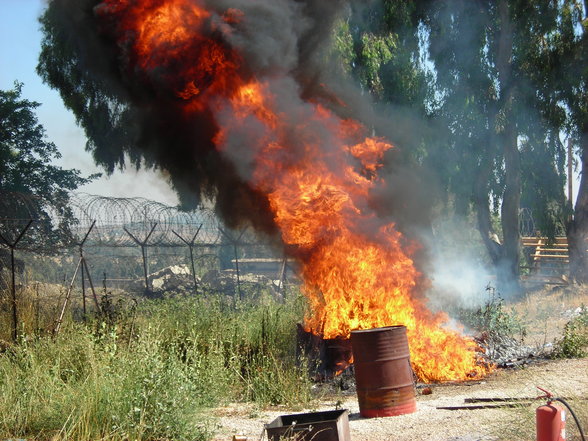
[235,89]
[327,358]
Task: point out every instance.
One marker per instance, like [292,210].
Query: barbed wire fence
[108,235]
[145,224]
[119,240]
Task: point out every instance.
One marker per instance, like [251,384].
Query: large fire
[316,168]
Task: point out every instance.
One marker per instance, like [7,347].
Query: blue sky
[20,42]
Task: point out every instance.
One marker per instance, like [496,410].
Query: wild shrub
[248,346]
[574,342]
[493,320]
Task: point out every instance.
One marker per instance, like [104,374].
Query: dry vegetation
[545,312]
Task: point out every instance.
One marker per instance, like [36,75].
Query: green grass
[150,372]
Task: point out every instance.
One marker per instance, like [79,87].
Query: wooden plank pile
[548,259]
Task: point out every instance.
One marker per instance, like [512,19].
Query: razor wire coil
[114,222]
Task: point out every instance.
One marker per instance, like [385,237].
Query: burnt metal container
[331,425]
[384,377]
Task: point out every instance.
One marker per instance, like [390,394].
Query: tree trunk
[578,227]
[482,206]
[578,230]
[505,255]
[508,268]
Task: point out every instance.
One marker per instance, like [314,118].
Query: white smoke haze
[458,268]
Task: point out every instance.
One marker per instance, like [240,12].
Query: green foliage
[488,77]
[574,343]
[493,320]
[254,342]
[343,45]
[25,154]
[105,117]
[152,372]
[379,46]
[26,168]
[376,51]
[84,387]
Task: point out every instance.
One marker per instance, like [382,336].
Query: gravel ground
[566,378]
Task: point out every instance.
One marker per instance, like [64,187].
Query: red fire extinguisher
[551,422]
[551,419]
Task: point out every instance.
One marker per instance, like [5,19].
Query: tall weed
[81,388]
[149,374]
[493,320]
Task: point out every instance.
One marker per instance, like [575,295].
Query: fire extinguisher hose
[561,400]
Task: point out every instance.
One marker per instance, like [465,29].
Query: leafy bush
[492,319]
[574,343]
[251,345]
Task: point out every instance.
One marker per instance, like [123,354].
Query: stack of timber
[548,259]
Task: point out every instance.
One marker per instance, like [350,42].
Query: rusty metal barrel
[384,378]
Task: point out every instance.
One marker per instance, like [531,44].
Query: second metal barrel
[384,378]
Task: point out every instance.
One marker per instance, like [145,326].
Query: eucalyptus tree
[476,71]
[468,86]
[31,185]
[380,45]
[480,60]
[568,52]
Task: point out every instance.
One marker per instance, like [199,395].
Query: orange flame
[156,36]
[317,171]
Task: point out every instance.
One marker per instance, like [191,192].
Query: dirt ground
[544,312]
[566,378]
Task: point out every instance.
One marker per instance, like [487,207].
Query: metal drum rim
[383,328]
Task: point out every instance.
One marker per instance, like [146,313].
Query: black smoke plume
[134,115]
